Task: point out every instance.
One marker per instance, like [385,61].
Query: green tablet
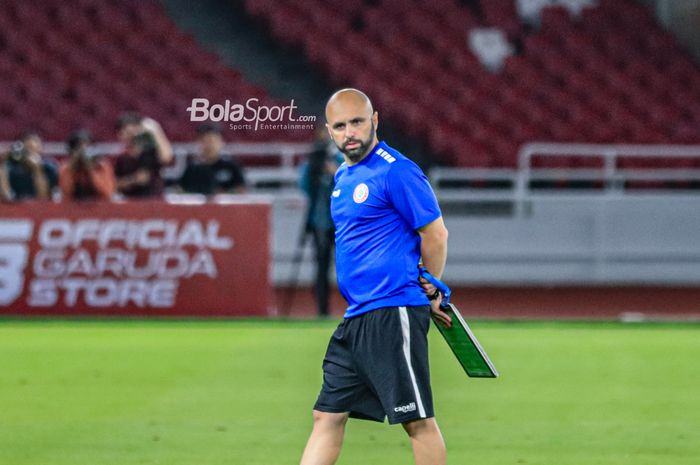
[465,346]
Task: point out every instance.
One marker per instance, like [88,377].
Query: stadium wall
[566,239]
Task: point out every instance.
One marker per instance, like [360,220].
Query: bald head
[352,123]
[351,98]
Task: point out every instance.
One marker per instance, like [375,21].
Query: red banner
[135,259]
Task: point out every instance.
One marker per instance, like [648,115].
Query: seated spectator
[27,174]
[147,150]
[83,177]
[209,173]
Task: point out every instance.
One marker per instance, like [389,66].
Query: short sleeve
[411,194]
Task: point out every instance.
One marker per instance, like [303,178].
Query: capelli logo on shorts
[406,408]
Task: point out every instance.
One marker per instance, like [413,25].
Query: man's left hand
[437,312]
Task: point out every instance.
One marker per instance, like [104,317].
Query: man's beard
[358,152]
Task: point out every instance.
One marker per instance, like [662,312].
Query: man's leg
[427,442]
[323,447]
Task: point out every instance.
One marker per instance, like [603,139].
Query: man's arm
[66,183]
[433,248]
[141,177]
[5,195]
[163,146]
[41,184]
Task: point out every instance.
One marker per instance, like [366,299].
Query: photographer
[83,177]
[26,174]
[209,173]
[147,150]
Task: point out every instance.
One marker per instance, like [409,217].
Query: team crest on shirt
[360,193]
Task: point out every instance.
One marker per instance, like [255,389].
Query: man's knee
[423,426]
[329,420]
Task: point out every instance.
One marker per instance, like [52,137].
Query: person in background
[208,172]
[27,174]
[316,181]
[83,177]
[147,149]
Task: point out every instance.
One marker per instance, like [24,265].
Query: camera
[17,152]
[145,140]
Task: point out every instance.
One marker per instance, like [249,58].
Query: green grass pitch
[240,392]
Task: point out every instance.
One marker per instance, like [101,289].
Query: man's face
[134,147]
[211,143]
[352,129]
[128,132]
[81,148]
[33,144]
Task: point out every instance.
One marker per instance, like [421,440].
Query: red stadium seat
[78,65]
[611,75]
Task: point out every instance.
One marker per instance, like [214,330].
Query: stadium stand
[79,64]
[600,72]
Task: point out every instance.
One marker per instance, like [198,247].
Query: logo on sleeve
[360,193]
[336,193]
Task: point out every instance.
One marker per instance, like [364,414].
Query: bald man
[387,220]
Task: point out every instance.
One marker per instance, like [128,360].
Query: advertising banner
[135,259]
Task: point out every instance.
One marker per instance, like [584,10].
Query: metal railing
[610,173]
[279,167]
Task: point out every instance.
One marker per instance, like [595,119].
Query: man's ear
[375,120]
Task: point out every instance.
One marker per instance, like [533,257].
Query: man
[28,174]
[84,177]
[210,173]
[387,219]
[317,180]
[147,149]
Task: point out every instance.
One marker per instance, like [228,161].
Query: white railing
[609,178]
[279,166]
[612,176]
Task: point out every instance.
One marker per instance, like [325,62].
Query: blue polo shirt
[377,206]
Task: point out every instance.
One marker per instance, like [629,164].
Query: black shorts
[376,365]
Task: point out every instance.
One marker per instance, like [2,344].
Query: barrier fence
[135,259]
